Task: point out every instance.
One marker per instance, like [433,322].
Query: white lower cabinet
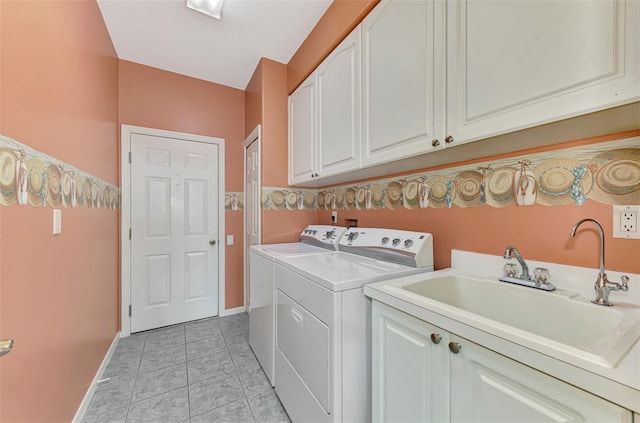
[410,377]
[422,373]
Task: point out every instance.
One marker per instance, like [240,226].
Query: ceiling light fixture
[212,8]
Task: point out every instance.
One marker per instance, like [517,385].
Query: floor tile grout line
[225,336]
[241,385]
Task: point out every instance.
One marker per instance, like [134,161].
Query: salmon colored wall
[159,99]
[539,232]
[336,23]
[274,123]
[59,301]
[253,101]
[266,103]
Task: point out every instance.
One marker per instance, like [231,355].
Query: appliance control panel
[418,246]
[323,234]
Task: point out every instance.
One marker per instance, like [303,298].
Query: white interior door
[252,208]
[174,231]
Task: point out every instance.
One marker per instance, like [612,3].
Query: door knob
[5,346]
[449,139]
[212,242]
[436,338]
[435,143]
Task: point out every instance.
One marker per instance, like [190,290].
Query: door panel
[174,215]
[486,386]
[252,206]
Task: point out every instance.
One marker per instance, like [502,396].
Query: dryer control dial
[396,242]
[408,243]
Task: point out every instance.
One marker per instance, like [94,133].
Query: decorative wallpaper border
[30,177]
[607,172]
[233,201]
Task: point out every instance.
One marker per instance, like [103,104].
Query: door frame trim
[255,136]
[125,217]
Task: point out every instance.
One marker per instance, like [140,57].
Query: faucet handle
[625,283]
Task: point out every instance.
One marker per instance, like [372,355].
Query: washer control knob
[385,240]
[396,242]
[314,232]
[352,236]
[329,234]
[408,243]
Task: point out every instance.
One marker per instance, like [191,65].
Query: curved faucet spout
[600,231]
[603,286]
[513,250]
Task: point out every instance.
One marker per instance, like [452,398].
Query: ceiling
[166,34]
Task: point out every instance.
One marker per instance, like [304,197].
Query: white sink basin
[559,321]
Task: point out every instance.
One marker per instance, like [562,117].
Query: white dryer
[323,332]
[314,239]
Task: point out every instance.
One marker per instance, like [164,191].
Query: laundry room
[319,210]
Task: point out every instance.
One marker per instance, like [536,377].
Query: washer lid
[271,251]
[341,271]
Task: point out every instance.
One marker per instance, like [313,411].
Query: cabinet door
[513,65]
[339,108]
[486,386]
[302,132]
[410,377]
[398,79]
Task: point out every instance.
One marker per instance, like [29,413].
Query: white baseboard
[92,388]
[233,311]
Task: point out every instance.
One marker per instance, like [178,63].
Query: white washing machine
[314,239]
[323,332]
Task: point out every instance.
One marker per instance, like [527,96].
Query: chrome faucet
[525,269]
[525,278]
[602,286]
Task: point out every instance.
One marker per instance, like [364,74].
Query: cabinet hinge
[129,233]
[129,156]
[129,310]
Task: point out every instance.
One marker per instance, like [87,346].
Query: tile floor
[202,371]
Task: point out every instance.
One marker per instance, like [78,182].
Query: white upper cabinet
[513,65]
[324,117]
[302,132]
[399,72]
[417,76]
[338,88]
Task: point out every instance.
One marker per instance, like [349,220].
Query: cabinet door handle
[454,347]
[449,139]
[436,338]
[212,242]
[435,143]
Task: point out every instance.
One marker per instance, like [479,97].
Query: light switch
[229,239]
[57,221]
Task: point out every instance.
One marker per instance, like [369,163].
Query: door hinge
[129,156]
[129,233]
[129,310]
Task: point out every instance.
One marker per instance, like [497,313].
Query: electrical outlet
[629,221]
[625,222]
